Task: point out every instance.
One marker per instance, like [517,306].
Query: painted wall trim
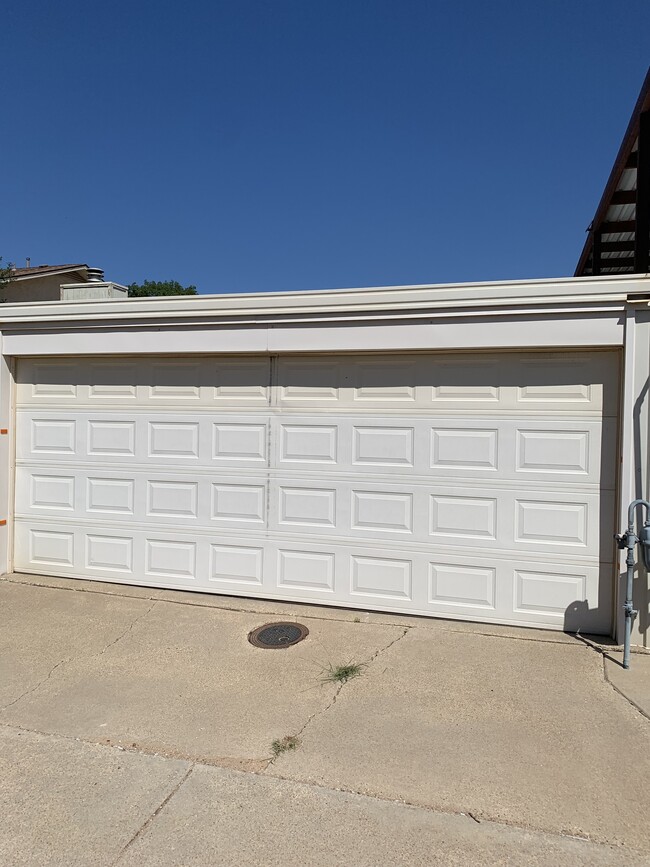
[597,329]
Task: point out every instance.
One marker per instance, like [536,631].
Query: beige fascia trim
[511,298]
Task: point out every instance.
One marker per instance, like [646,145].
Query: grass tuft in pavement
[341,673]
[284,745]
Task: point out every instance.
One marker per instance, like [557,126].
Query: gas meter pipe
[629,541]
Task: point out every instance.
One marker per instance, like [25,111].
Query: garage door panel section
[560,527]
[202,381]
[447,584]
[509,381]
[103,495]
[308,441]
[144,439]
[564,451]
[477,486]
[452,383]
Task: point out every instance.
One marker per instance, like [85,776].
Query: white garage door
[472,486]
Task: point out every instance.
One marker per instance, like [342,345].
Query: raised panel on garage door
[467,485]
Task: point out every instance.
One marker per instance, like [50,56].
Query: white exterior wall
[576,313]
[92,291]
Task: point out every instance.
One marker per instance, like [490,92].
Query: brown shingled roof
[45,269]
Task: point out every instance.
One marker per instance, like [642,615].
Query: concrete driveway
[137,728]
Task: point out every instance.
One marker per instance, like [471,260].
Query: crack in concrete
[602,651]
[142,829]
[36,686]
[332,702]
[69,659]
[619,691]
[381,650]
[128,629]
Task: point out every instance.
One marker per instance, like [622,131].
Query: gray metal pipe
[629,541]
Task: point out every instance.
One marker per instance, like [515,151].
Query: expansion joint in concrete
[142,829]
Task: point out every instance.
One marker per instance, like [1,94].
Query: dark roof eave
[631,133]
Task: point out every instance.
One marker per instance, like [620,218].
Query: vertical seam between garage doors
[272,403]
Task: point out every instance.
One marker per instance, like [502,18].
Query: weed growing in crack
[341,673]
[284,745]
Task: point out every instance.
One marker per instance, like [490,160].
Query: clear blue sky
[303,144]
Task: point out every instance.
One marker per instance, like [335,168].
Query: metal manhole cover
[275,636]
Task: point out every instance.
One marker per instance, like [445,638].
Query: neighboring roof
[620,231]
[37,270]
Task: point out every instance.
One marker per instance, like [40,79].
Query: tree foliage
[5,272]
[159,287]
[6,275]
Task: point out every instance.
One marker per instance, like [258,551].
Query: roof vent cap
[95,275]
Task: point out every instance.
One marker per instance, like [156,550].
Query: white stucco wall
[43,288]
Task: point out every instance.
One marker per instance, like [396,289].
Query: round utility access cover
[275,636]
